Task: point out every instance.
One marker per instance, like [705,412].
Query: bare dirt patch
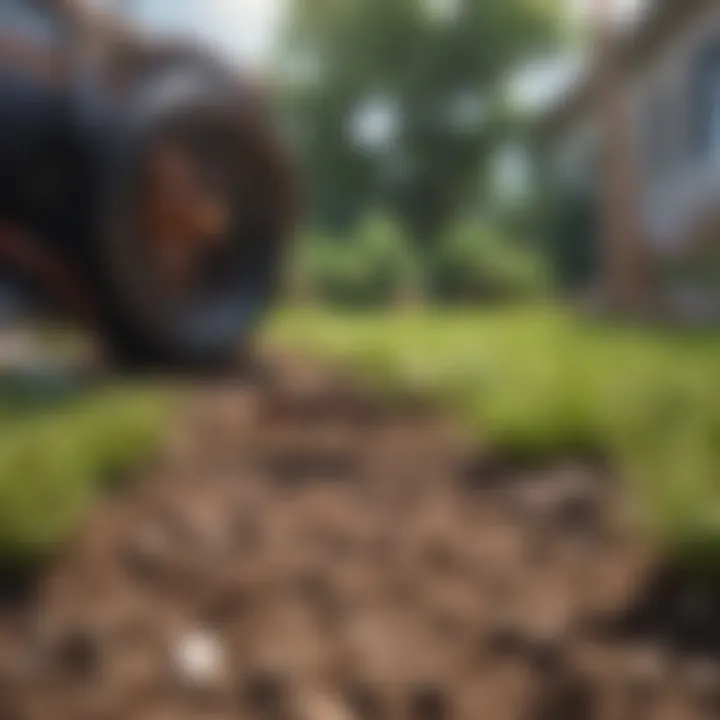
[304,550]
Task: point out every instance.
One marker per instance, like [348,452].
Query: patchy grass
[540,384]
[58,449]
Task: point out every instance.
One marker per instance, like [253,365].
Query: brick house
[639,137]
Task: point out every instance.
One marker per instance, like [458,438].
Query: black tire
[141,327]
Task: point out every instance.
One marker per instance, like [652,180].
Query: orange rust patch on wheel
[181,218]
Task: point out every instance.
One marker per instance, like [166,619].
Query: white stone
[200,659]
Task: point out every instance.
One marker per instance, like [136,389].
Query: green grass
[58,450]
[541,384]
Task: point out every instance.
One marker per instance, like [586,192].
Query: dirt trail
[304,551]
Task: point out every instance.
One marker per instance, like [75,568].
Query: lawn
[59,446]
[537,385]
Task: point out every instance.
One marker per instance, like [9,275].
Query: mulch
[302,549]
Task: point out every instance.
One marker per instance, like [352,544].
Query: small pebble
[200,659]
[365,701]
[645,675]
[428,701]
[546,654]
[322,707]
[80,652]
[703,679]
[266,692]
[503,639]
[568,698]
[146,552]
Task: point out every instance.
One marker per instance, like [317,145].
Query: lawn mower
[143,186]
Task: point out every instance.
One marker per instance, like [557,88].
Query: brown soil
[304,551]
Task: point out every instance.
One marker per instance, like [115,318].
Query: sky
[538,85]
[244,30]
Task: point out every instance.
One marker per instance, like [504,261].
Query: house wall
[679,191]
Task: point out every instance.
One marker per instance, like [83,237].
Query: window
[705,104]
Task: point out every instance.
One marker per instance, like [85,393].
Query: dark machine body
[142,186]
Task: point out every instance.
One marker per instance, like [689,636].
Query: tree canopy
[399,102]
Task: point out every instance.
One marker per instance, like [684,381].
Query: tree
[397,102]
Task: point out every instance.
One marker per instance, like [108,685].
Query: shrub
[55,460]
[475,263]
[373,267]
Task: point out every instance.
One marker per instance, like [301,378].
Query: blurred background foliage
[378,265]
[412,146]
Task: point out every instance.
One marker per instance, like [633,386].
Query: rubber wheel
[209,324]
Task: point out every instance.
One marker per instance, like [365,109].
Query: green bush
[373,267]
[378,265]
[54,461]
[476,263]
